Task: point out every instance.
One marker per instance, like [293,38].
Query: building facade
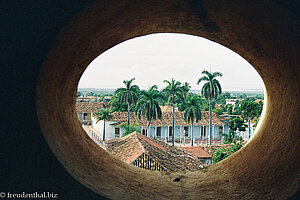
[85,111]
[161,129]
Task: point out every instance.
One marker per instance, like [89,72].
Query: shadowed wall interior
[47,46]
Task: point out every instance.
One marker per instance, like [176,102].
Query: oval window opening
[151,85]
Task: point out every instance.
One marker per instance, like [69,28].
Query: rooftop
[197,151]
[134,145]
[210,149]
[90,106]
[167,118]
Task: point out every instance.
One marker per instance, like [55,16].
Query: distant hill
[250,92]
[101,91]
[97,91]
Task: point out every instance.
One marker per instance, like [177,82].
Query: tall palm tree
[128,94]
[173,90]
[210,90]
[192,112]
[147,105]
[186,88]
[103,114]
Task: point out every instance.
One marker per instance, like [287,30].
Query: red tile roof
[134,145]
[127,149]
[145,138]
[211,149]
[167,118]
[196,151]
[90,106]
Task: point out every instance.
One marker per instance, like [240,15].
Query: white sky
[153,58]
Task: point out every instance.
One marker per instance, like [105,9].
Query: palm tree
[250,110]
[210,90]
[192,112]
[103,114]
[147,105]
[173,90]
[128,94]
[186,88]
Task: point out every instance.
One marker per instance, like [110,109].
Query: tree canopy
[173,90]
[103,114]
[148,106]
[210,90]
[128,94]
[192,113]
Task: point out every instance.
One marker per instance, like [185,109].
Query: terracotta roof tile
[210,149]
[167,118]
[90,106]
[130,147]
[196,151]
[127,149]
[142,137]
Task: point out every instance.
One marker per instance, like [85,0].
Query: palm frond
[216,74]
[203,78]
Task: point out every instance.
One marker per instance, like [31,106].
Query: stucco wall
[266,33]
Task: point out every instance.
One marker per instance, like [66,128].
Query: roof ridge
[137,139]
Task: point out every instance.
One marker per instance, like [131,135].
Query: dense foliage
[210,90]
[129,128]
[223,153]
[174,90]
[128,94]
[148,106]
[192,112]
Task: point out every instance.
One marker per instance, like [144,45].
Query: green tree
[230,137]
[90,94]
[79,94]
[148,106]
[235,123]
[173,90]
[210,90]
[242,96]
[129,128]
[192,113]
[259,108]
[103,114]
[237,110]
[218,111]
[250,109]
[229,109]
[116,104]
[223,153]
[249,99]
[204,105]
[128,94]
[221,99]
[237,146]
[220,154]
[185,89]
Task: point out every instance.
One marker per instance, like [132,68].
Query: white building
[85,110]
[161,129]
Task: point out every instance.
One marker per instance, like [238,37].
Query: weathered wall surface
[266,33]
[26,162]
